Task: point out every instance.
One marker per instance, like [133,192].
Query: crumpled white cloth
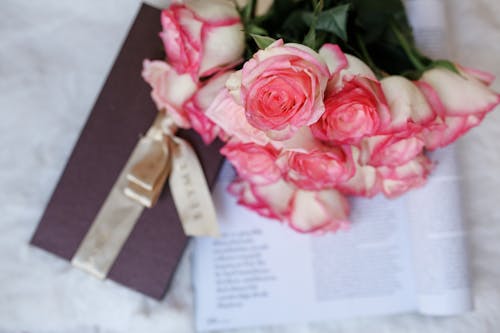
[54,57]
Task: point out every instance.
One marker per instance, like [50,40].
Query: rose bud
[202,37]
[461,101]
[170,89]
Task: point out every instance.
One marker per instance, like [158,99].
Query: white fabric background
[54,57]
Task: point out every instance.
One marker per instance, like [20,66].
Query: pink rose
[197,106]
[281,89]
[398,180]
[391,150]
[202,36]
[304,211]
[254,163]
[318,170]
[460,101]
[170,90]
[318,211]
[271,200]
[364,182]
[356,110]
[230,117]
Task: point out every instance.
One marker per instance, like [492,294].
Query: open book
[401,255]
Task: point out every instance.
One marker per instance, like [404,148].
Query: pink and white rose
[317,169]
[398,180]
[230,117]
[364,182]
[199,103]
[254,163]
[391,150]
[461,101]
[304,211]
[352,112]
[170,89]
[304,128]
[183,98]
[271,200]
[202,37]
[318,211]
[281,89]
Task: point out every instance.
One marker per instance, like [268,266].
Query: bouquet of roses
[315,100]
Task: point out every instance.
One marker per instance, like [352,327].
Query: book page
[260,272]
[440,244]
[439,240]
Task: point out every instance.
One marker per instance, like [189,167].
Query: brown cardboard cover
[122,112]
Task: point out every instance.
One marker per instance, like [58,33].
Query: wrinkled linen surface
[54,57]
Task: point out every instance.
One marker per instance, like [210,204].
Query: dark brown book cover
[123,111]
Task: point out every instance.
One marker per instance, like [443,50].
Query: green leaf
[374,17]
[249,10]
[256,30]
[445,64]
[262,41]
[334,21]
[310,39]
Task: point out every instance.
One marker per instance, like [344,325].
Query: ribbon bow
[158,155]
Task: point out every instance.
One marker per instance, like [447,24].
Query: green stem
[407,48]
[250,10]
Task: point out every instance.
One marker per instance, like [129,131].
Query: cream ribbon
[157,155]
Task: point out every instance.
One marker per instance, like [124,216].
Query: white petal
[315,211]
[213,10]
[406,102]
[335,59]
[461,94]
[230,116]
[205,96]
[357,67]
[222,46]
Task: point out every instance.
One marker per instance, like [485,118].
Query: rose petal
[391,150]
[398,180]
[443,133]
[357,67]
[254,163]
[270,201]
[206,94]
[216,12]
[223,47]
[406,103]
[485,77]
[170,90]
[319,211]
[335,59]
[231,118]
[461,95]
[364,181]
